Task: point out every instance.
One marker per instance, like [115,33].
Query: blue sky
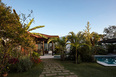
[63,16]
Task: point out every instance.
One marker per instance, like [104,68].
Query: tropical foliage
[60,45]
[76,42]
[13,35]
[110,32]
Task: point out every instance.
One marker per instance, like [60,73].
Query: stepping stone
[51,74]
[41,76]
[66,71]
[63,74]
[59,76]
[56,71]
[53,69]
[71,73]
[72,76]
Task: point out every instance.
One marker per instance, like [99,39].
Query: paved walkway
[54,69]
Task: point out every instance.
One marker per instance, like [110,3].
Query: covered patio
[42,46]
[108,41]
[111,42]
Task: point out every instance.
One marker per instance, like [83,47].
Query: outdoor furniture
[50,52]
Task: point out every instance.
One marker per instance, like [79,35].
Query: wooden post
[52,47]
[43,48]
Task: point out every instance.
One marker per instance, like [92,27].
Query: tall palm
[61,44]
[76,41]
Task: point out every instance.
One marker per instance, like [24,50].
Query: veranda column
[43,47]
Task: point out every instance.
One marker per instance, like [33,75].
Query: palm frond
[52,39]
[36,28]
[28,25]
[16,15]
[71,44]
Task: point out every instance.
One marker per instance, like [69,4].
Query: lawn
[89,69]
[34,72]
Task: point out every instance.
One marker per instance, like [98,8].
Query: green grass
[34,72]
[89,69]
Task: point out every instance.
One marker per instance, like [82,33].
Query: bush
[35,58]
[24,64]
[110,48]
[35,55]
[86,54]
[99,50]
[13,61]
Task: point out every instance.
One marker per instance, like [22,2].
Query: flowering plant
[35,58]
[13,61]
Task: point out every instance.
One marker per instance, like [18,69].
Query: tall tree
[10,34]
[110,32]
[91,38]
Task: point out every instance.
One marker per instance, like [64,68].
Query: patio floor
[47,56]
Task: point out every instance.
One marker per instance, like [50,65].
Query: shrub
[24,64]
[35,58]
[35,55]
[111,48]
[86,54]
[13,61]
[99,50]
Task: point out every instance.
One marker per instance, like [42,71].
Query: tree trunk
[62,56]
[76,56]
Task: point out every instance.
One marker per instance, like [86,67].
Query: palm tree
[61,44]
[76,40]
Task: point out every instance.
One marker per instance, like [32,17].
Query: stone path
[54,69]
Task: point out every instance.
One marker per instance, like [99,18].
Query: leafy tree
[10,31]
[110,32]
[13,34]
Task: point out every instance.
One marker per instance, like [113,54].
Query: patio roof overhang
[108,41]
[39,38]
[48,36]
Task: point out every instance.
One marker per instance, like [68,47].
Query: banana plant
[27,26]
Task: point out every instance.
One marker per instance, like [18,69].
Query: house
[41,43]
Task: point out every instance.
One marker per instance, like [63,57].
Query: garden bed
[34,72]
